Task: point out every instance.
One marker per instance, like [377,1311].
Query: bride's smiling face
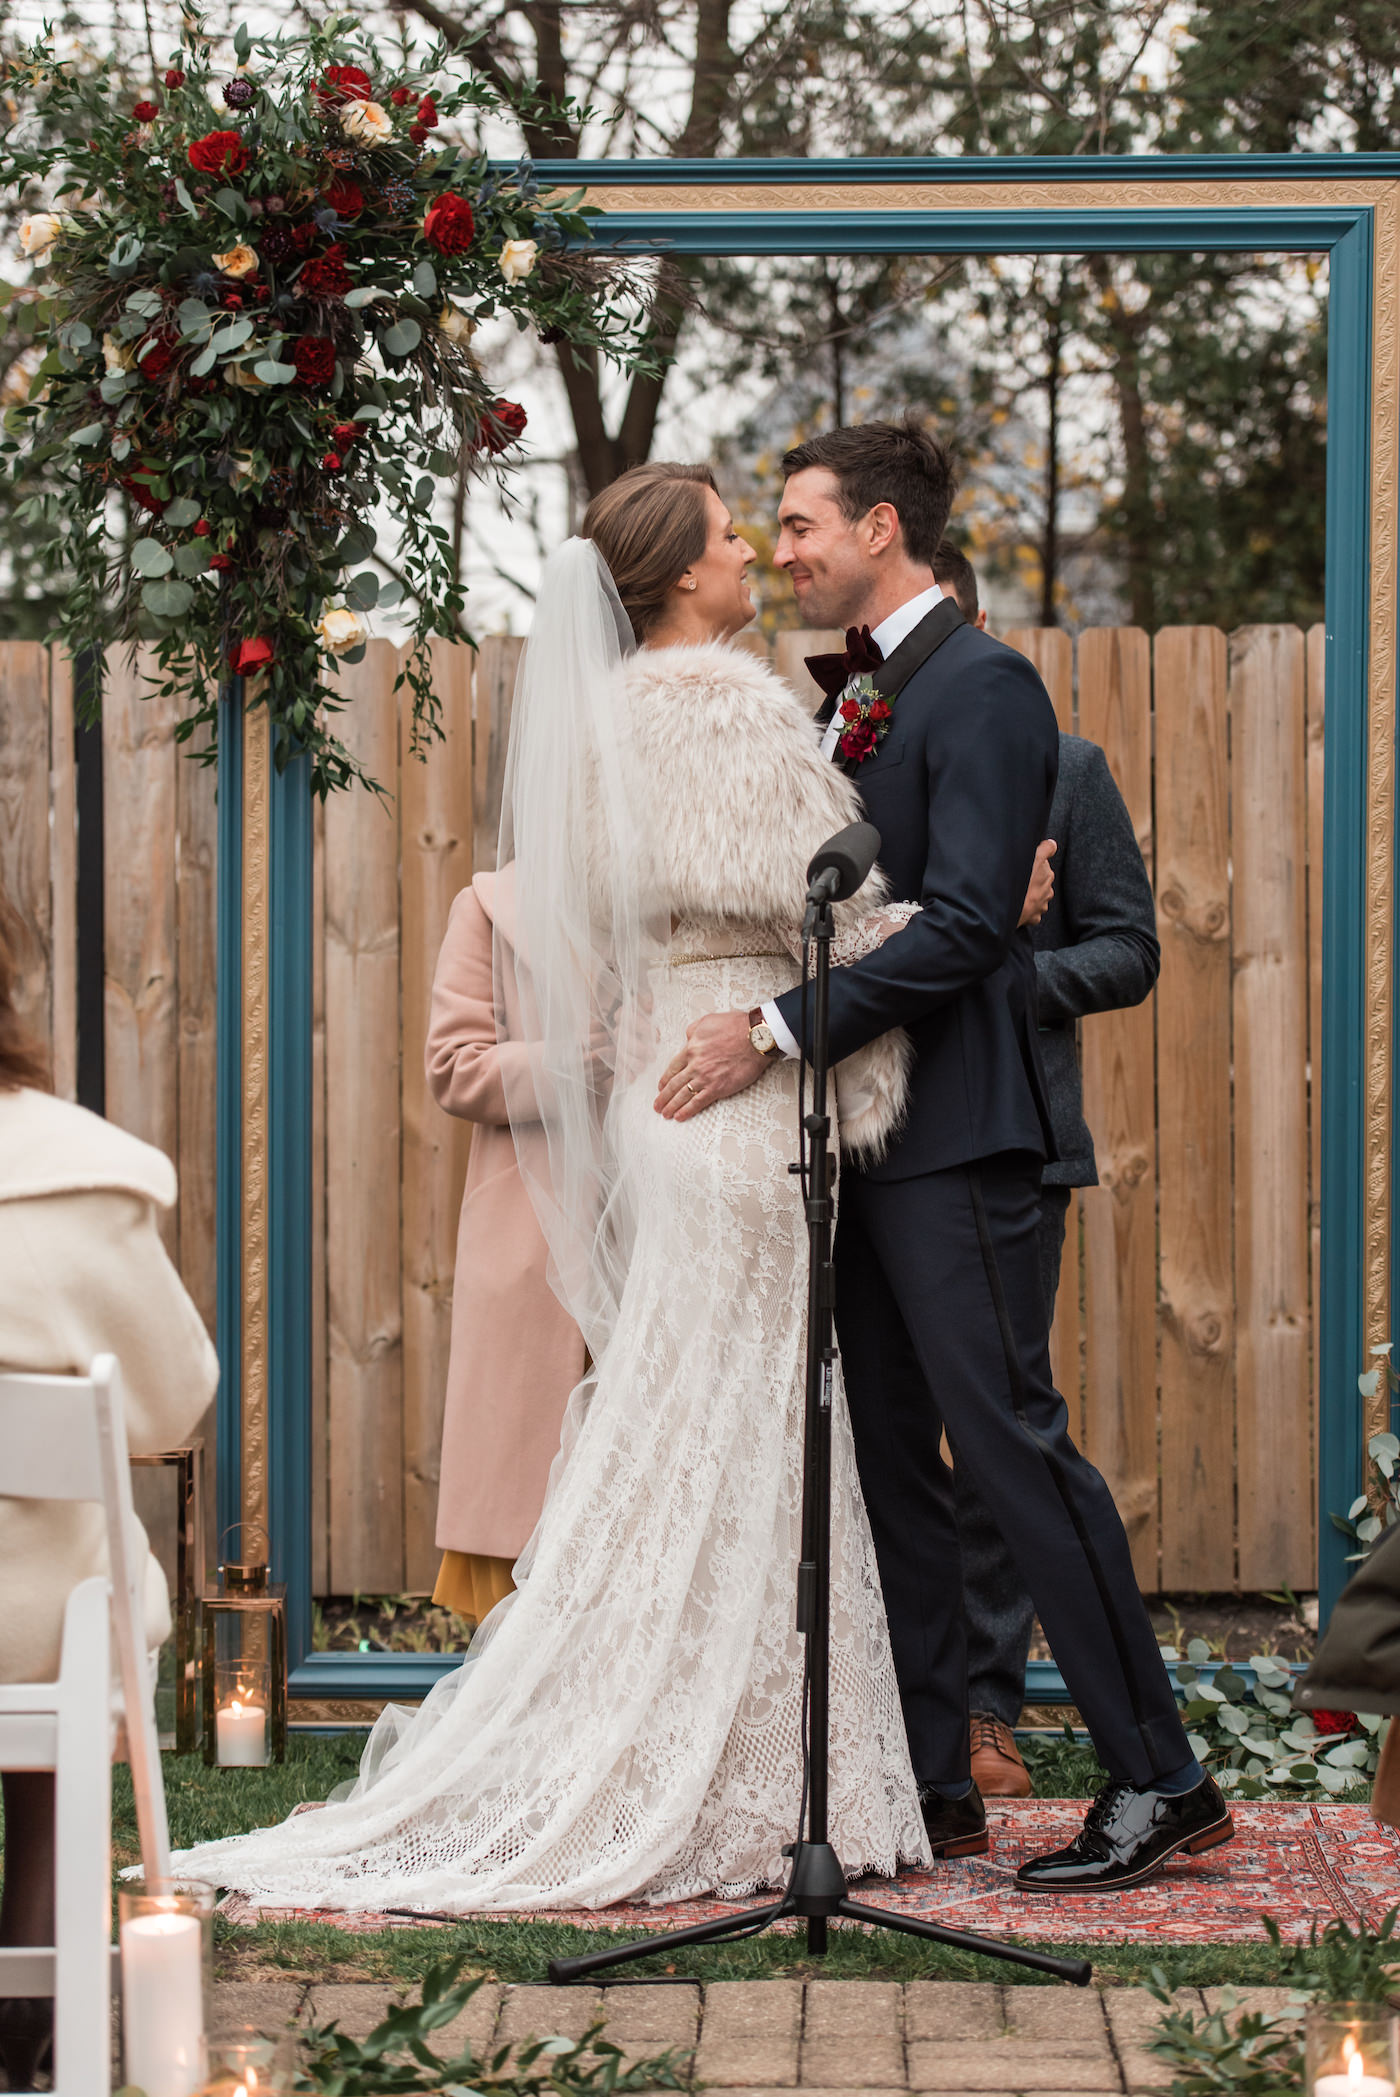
[712,596]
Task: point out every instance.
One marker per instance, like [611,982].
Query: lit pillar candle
[1356,2082]
[163,2003]
[241,1733]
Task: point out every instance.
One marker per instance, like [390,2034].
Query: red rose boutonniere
[867,719]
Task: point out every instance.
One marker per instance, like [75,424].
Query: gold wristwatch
[761,1035]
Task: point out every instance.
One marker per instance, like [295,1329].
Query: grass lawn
[204,1803]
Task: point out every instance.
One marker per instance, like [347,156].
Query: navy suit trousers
[940,1317]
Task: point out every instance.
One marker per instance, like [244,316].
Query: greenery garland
[258,296]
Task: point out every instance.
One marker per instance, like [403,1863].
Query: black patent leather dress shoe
[956,1827]
[1128,1836]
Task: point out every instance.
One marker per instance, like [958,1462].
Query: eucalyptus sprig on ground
[1227,2055]
[1251,1740]
[396,2056]
[257,297]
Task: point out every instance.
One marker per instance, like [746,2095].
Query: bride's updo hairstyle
[650,526]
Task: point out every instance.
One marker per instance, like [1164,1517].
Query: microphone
[839,869]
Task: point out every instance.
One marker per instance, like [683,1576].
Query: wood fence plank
[436,834]
[320,1422]
[1193,1065]
[1316,683]
[364,1297]
[789,650]
[195,802]
[25,873]
[1268,846]
[497,662]
[1120,1214]
[63,848]
[1052,652]
[141,1018]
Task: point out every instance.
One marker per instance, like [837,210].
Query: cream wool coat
[83,1272]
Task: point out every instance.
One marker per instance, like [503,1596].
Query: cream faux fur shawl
[742,798]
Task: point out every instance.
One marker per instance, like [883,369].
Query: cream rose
[369,123]
[517,259]
[237,261]
[38,233]
[456,325]
[117,356]
[341,630]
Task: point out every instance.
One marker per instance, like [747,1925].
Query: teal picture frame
[1130,205]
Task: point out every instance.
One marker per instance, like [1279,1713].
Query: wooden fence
[1184,1327]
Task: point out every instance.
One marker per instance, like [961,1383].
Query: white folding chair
[64,1438]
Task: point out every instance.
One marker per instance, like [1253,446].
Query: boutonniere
[867,718]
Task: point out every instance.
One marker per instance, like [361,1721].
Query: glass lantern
[244,2062]
[166,1936]
[245,1664]
[1351,2050]
[175,1529]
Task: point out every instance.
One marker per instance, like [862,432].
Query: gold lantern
[245,1662]
[184,1470]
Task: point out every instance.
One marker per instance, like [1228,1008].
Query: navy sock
[1177,1780]
[950,1791]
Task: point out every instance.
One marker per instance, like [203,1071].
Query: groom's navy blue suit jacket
[960,792]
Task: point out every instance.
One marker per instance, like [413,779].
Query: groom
[940,1312]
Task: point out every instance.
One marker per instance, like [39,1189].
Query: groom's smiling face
[827,554]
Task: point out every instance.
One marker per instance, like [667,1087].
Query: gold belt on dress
[734,954]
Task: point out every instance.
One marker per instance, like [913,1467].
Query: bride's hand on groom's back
[717,1061]
[1041,892]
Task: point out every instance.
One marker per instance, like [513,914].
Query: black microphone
[843,864]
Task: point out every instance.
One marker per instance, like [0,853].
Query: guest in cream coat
[516,1353]
[82,1272]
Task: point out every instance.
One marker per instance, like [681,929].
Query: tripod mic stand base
[816,1891]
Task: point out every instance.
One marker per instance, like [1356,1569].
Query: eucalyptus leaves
[1251,1738]
[253,338]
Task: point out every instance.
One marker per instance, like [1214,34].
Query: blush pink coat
[516,1353]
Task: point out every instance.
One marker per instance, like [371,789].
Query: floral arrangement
[1253,1742]
[260,288]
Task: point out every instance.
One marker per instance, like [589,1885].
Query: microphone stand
[816,1887]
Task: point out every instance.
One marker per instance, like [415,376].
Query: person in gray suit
[1096,950]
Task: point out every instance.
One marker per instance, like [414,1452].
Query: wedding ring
[695,1089]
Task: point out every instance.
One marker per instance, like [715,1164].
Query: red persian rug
[1299,1863]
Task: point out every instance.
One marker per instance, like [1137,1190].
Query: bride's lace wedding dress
[629,1723]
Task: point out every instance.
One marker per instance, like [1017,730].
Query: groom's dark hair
[900,463]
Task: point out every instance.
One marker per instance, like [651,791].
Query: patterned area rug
[1299,1863]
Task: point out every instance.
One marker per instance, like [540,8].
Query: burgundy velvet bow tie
[834,672]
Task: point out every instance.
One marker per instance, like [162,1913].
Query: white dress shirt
[887,637]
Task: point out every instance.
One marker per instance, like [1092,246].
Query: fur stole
[741,797]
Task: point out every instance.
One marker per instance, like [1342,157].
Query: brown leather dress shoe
[997,1768]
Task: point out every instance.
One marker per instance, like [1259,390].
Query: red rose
[399,96]
[174,78]
[138,487]
[314,358]
[1332,1721]
[427,113]
[500,426]
[201,528]
[331,462]
[850,709]
[233,301]
[145,112]
[345,433]
[858,742]
[418,132]
[879,710]
[155,354]
[219,153]
[325,276]
[346,198]
[448,225]
[248,657]
[220,560]
[345,84]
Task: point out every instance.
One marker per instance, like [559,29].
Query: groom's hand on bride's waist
[717,1061]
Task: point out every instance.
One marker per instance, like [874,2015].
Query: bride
[628,1723]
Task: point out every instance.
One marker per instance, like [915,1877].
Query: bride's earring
[690,582]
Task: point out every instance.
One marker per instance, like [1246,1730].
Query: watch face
[762,1038]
